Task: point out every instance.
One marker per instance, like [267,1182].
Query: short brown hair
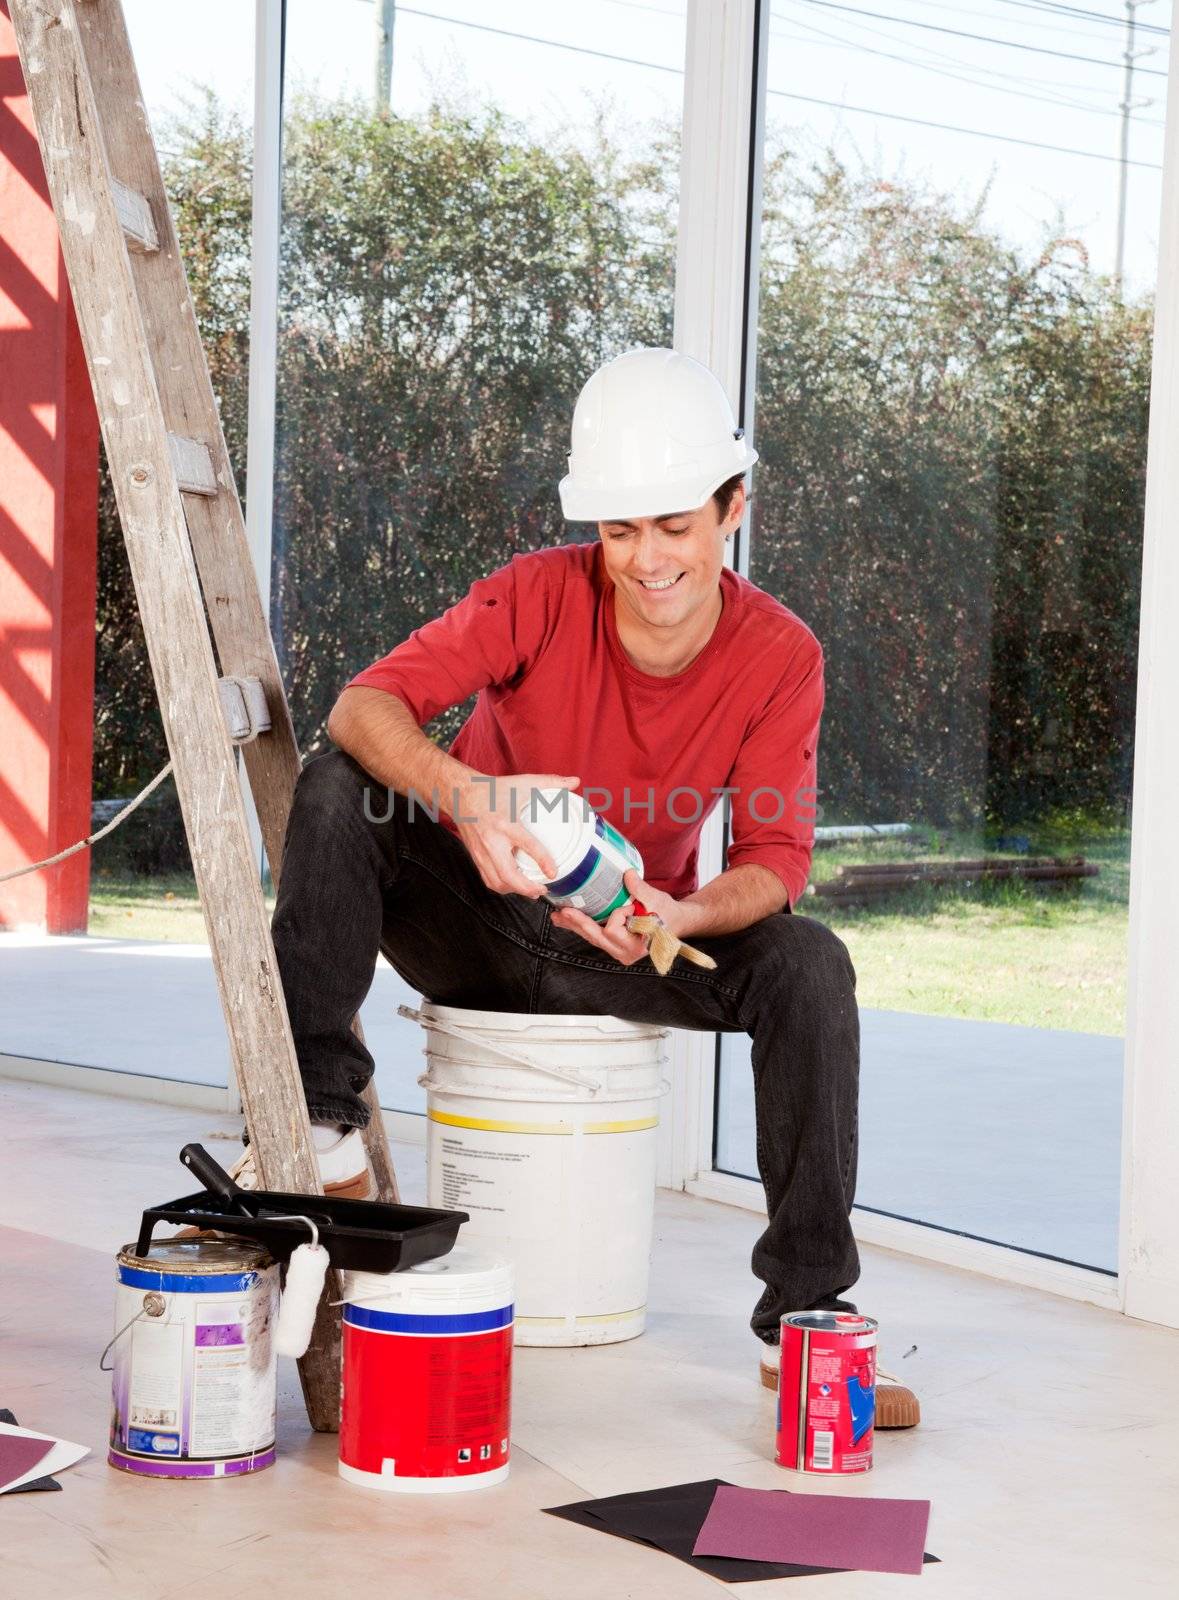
[723,497]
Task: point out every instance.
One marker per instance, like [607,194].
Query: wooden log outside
[897,885]
[998,870]
[871,886]
[1077,869]
[838,895]
[977,864]
[169,595]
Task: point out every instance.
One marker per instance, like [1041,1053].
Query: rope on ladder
[93,838]
[247,714]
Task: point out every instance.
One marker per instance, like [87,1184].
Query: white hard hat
[653,433]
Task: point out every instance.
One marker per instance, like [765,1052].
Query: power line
[531,38]
[1052,12]
[945,72]
[942,55]
[838,105]
[1047,21]
[984,38]
[636,5]
[950,127]
[1080,12]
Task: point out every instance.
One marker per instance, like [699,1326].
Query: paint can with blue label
[193,1391]
[590,854]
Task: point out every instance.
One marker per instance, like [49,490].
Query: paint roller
[306,1270]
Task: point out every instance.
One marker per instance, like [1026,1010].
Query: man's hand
[613,935]
[487,821]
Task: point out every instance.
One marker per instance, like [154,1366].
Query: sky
[885,82]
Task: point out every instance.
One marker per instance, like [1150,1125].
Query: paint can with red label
[827,1392]
[427,1375]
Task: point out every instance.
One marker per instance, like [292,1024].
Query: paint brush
[663,946]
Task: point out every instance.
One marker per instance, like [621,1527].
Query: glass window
[147,934]
[454,265]
[141,876]
[951,412]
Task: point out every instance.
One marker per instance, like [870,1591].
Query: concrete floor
[1047,1445]
[1007,1133]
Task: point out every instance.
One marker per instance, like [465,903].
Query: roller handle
[214,1178]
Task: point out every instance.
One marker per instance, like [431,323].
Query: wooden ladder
[186,543]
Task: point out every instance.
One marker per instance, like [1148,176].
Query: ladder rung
[243,700]
[193,464]
[134,213]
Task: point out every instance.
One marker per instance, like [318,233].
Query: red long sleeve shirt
[557,693]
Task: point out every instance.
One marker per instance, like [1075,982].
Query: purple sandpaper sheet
[822,1530]
[19,1455]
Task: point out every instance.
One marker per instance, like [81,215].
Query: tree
[448,286]
[934,416]
[952,439]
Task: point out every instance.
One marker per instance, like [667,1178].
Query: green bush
[951,494]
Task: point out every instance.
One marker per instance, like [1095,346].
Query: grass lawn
[127,907]
[1005,952]
[1044,955]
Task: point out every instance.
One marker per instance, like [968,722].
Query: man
[644,671]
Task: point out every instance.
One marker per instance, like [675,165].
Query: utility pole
[1128,104]
[384,12]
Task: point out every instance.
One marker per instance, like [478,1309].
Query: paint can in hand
[827,1392]
[193,1391]
[591,856]
[427,1375]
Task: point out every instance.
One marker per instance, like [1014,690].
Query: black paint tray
[359,1235]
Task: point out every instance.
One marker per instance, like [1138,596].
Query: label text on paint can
[595,885]
[590,853]
[193,1391]
[426,1397]
[827,1392]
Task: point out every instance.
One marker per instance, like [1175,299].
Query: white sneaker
[339,1154]
[770,1363]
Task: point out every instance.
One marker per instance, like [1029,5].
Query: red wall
[48,538]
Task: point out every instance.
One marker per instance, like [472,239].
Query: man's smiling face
[665,569]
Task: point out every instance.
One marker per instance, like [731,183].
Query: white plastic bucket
[426,1375]
[543,1129]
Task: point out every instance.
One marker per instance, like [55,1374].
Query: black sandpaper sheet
[37,1483]
[670,1519]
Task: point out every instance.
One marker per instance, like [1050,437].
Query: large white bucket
[543,1129]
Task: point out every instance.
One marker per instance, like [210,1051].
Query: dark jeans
[407,886]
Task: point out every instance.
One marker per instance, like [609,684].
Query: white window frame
[1148,1256]
[716,321]
[716,279]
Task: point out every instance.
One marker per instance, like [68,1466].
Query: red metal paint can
[827,1392]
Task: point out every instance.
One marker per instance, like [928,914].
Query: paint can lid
[465,1279]
[197,1257]
[564,823]
[830,1321]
